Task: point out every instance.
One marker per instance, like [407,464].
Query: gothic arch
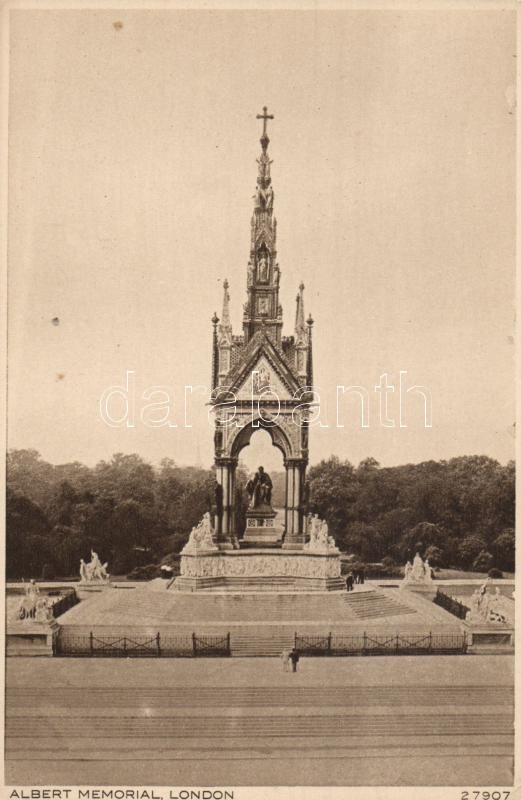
[279,437]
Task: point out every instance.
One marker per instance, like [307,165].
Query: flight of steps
[250,731]
[188,726]
[372,605]
[270,641]
[28,702]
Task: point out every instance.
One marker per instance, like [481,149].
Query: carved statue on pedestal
[417,574]
[259,489]
[319,538]
[201,537]
[94,571]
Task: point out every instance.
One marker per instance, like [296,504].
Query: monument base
[260,570]
[93,586]
[30,638]
[295,543]
[265,536]
[261,530]
[490,639]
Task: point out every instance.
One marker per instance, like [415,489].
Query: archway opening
[261,452]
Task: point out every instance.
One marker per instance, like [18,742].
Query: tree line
[458,513]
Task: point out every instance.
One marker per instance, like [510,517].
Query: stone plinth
[93,586]
[29,638]
[258,568]
[261,530]
[490,638]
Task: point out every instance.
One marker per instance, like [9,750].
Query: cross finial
[265,117]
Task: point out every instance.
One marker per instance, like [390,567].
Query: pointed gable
[263,358]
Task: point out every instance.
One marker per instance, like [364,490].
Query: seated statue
[259,489]
[27,607]
[34,606]
[418,574]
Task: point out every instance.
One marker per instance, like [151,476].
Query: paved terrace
[152,607]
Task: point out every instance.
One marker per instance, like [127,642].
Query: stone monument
[93,575]
[490,620]
[418,576]
[33,630]
[201,539]
[261,530]
[319,539]
[261,379]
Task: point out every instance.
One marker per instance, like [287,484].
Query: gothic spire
[300,325]
[225,328]
[225,319]
[262,309]
[264,191]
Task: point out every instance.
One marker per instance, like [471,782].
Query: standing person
[349,582]
[284,657]
[361,575]
[294,656]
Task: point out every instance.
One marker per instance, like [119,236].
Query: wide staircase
[271,641]
[327,725]
[376,604]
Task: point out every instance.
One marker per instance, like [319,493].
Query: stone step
[375,604]
[401,745]
[194,727]
[17,700]
[165,711]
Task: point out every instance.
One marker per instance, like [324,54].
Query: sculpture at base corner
[418,574]
[34,606]
[94,572]
[485,607]
[319,539]
[201,537]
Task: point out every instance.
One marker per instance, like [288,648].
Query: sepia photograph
[260,430]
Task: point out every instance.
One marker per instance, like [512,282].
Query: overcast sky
[132,168]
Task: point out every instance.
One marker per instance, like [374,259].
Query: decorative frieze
[231,565]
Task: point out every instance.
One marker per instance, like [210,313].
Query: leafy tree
[423,536]
[27,540]
[470,548]
[132,513]
[333,492]
[435,556]
[504,549]
[483,561]
[363,540]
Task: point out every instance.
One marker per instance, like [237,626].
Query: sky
[132,147]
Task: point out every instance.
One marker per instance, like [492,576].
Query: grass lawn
[446,574]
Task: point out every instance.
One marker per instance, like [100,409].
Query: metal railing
[65,602]
[451,605]
[160,645]
[365,644]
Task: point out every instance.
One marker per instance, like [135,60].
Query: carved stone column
[294,538]
[225,470]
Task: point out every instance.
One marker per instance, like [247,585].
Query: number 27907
[478,794]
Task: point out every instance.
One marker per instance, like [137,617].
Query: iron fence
[451,605]
[365,644]
[159,645]
[65,602]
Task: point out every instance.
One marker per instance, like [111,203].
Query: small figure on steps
[294,657]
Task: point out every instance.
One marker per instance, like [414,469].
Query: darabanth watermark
[310,405]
